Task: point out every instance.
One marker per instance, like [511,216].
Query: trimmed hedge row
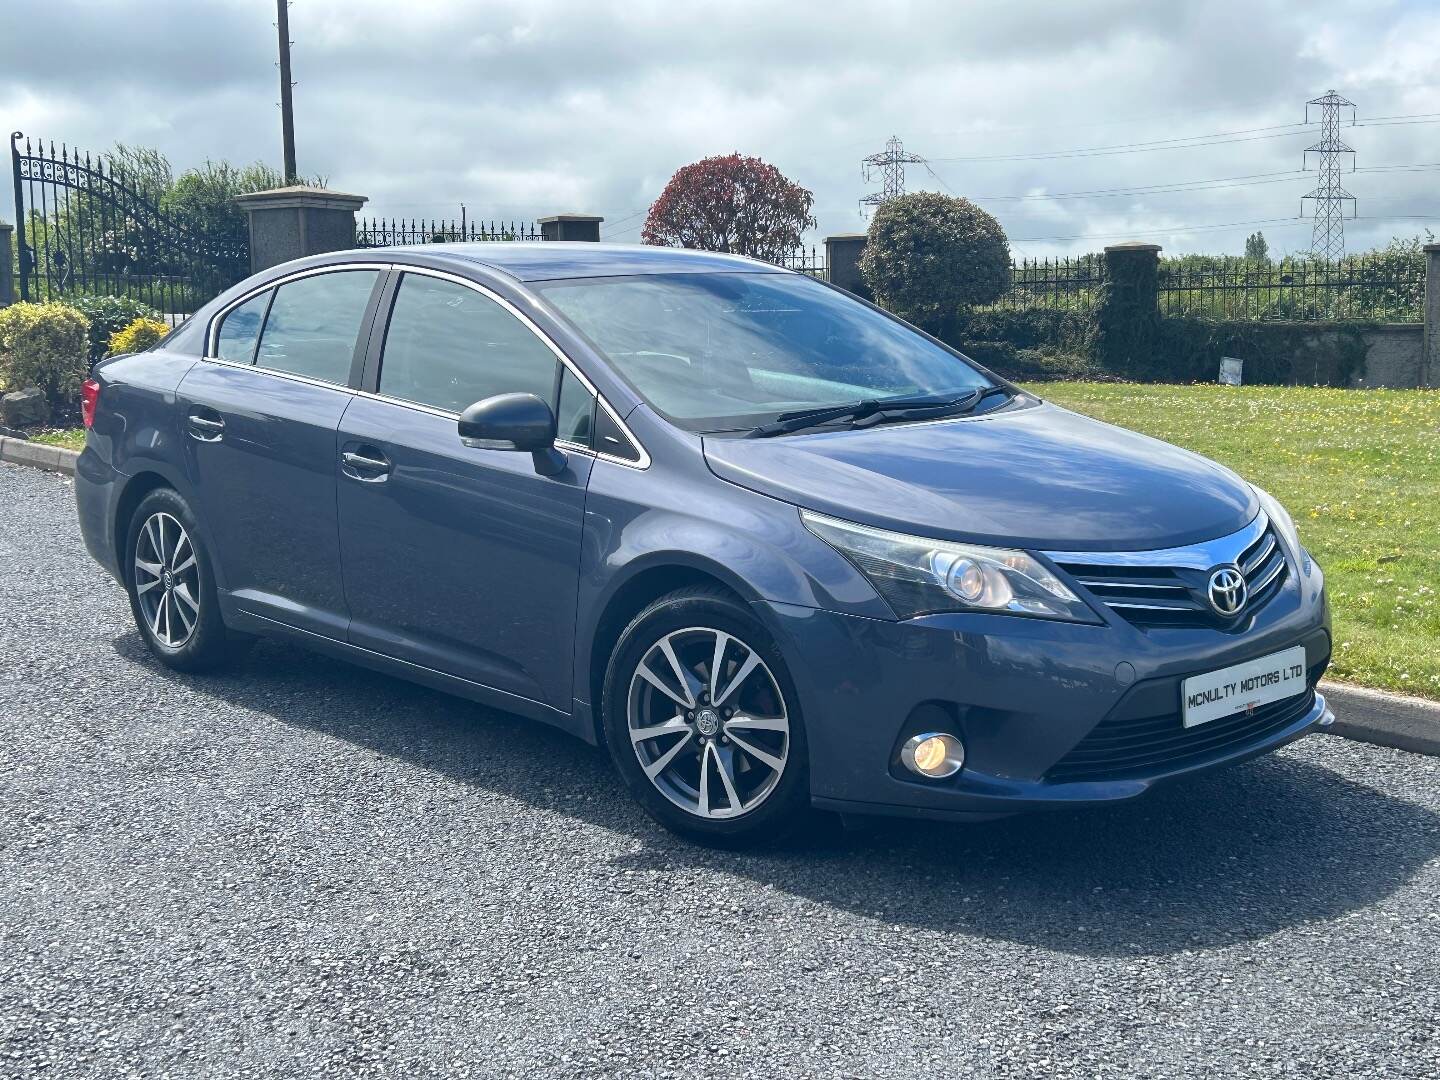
[1035,345]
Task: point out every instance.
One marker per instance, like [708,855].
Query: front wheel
[702,721]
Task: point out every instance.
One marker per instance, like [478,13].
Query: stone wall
[1394,356]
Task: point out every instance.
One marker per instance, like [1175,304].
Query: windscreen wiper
[860,410]
[936,411]
[876,411]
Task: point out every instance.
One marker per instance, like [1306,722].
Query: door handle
[365,463]
[206,428]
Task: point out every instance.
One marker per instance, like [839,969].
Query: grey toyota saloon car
[771,546]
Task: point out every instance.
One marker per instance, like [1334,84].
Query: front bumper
[1022,694]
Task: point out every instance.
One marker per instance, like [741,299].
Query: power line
[1289,222]
[1159,232]
[1218,138]
[1180,186]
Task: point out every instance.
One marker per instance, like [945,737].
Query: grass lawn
[69,438]
[1359,470]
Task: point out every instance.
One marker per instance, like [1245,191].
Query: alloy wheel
[167,580]
[708,722]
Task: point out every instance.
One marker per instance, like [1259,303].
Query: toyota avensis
[771,546]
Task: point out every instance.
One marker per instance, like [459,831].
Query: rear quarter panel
[135,436]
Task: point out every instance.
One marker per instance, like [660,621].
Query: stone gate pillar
[292,222]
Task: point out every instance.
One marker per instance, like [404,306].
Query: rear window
[313,325]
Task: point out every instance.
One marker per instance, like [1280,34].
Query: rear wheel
[703,723]
[171,587]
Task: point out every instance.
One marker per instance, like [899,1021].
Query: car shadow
[1231,856]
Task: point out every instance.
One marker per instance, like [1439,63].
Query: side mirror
[514,422]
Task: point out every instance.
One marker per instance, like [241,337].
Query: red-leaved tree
[731,203]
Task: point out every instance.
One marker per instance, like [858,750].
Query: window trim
[424,271]
[397,270]
[212,331]
[219,324]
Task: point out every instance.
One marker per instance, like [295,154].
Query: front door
[459,559]
[261,443]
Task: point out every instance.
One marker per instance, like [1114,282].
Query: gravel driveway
[304,869]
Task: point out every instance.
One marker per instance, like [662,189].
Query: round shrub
[47,346]
[108,315]
[138,336]
[929,255]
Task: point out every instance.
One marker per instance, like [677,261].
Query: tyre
[703,722]
[172,588]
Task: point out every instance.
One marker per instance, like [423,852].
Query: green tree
[1256,249]
[203,199]
[930,256]
[143,169]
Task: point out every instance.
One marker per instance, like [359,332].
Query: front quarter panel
[677,514]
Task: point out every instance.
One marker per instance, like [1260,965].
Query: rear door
[460,559]
[261,415]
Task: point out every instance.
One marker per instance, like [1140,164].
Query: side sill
[249,622]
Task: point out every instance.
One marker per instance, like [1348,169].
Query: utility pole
[287,108]
[1327,240]
[890,163]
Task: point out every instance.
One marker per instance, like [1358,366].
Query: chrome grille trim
[1202,556]
[1167,586]
[1253,563]
[1097,584]
[1260,586]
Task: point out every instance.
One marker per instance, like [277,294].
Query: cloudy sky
[524,107]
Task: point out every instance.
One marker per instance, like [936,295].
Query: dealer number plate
[1242,687]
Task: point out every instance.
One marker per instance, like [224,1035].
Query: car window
[241,329]
[449,346]
[576,414]
[313,324]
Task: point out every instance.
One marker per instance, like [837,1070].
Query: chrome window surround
[212,336]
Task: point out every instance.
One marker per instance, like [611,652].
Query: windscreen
[726,352]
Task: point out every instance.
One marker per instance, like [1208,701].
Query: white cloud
[524,107]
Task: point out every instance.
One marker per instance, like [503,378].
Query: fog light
[933,754]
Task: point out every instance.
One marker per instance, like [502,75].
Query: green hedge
[1037,344]
[1188,349]
[1029,345]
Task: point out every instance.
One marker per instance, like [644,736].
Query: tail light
[89,398]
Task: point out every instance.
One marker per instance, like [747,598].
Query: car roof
[547,260]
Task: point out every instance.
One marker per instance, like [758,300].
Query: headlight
[1284,525]
[916,575]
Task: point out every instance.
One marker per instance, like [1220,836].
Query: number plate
[1241,687]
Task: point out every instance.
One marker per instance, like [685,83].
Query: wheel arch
[152,476]
[133,493]
[646,582]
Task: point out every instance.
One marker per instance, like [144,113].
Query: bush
[44,345]
[1043,364]
[1026,328]
[109,315]
[138,336]
[929,255]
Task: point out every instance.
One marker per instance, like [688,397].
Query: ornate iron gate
[82,229]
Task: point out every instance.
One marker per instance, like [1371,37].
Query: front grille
[1142,589]
[1137,746]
